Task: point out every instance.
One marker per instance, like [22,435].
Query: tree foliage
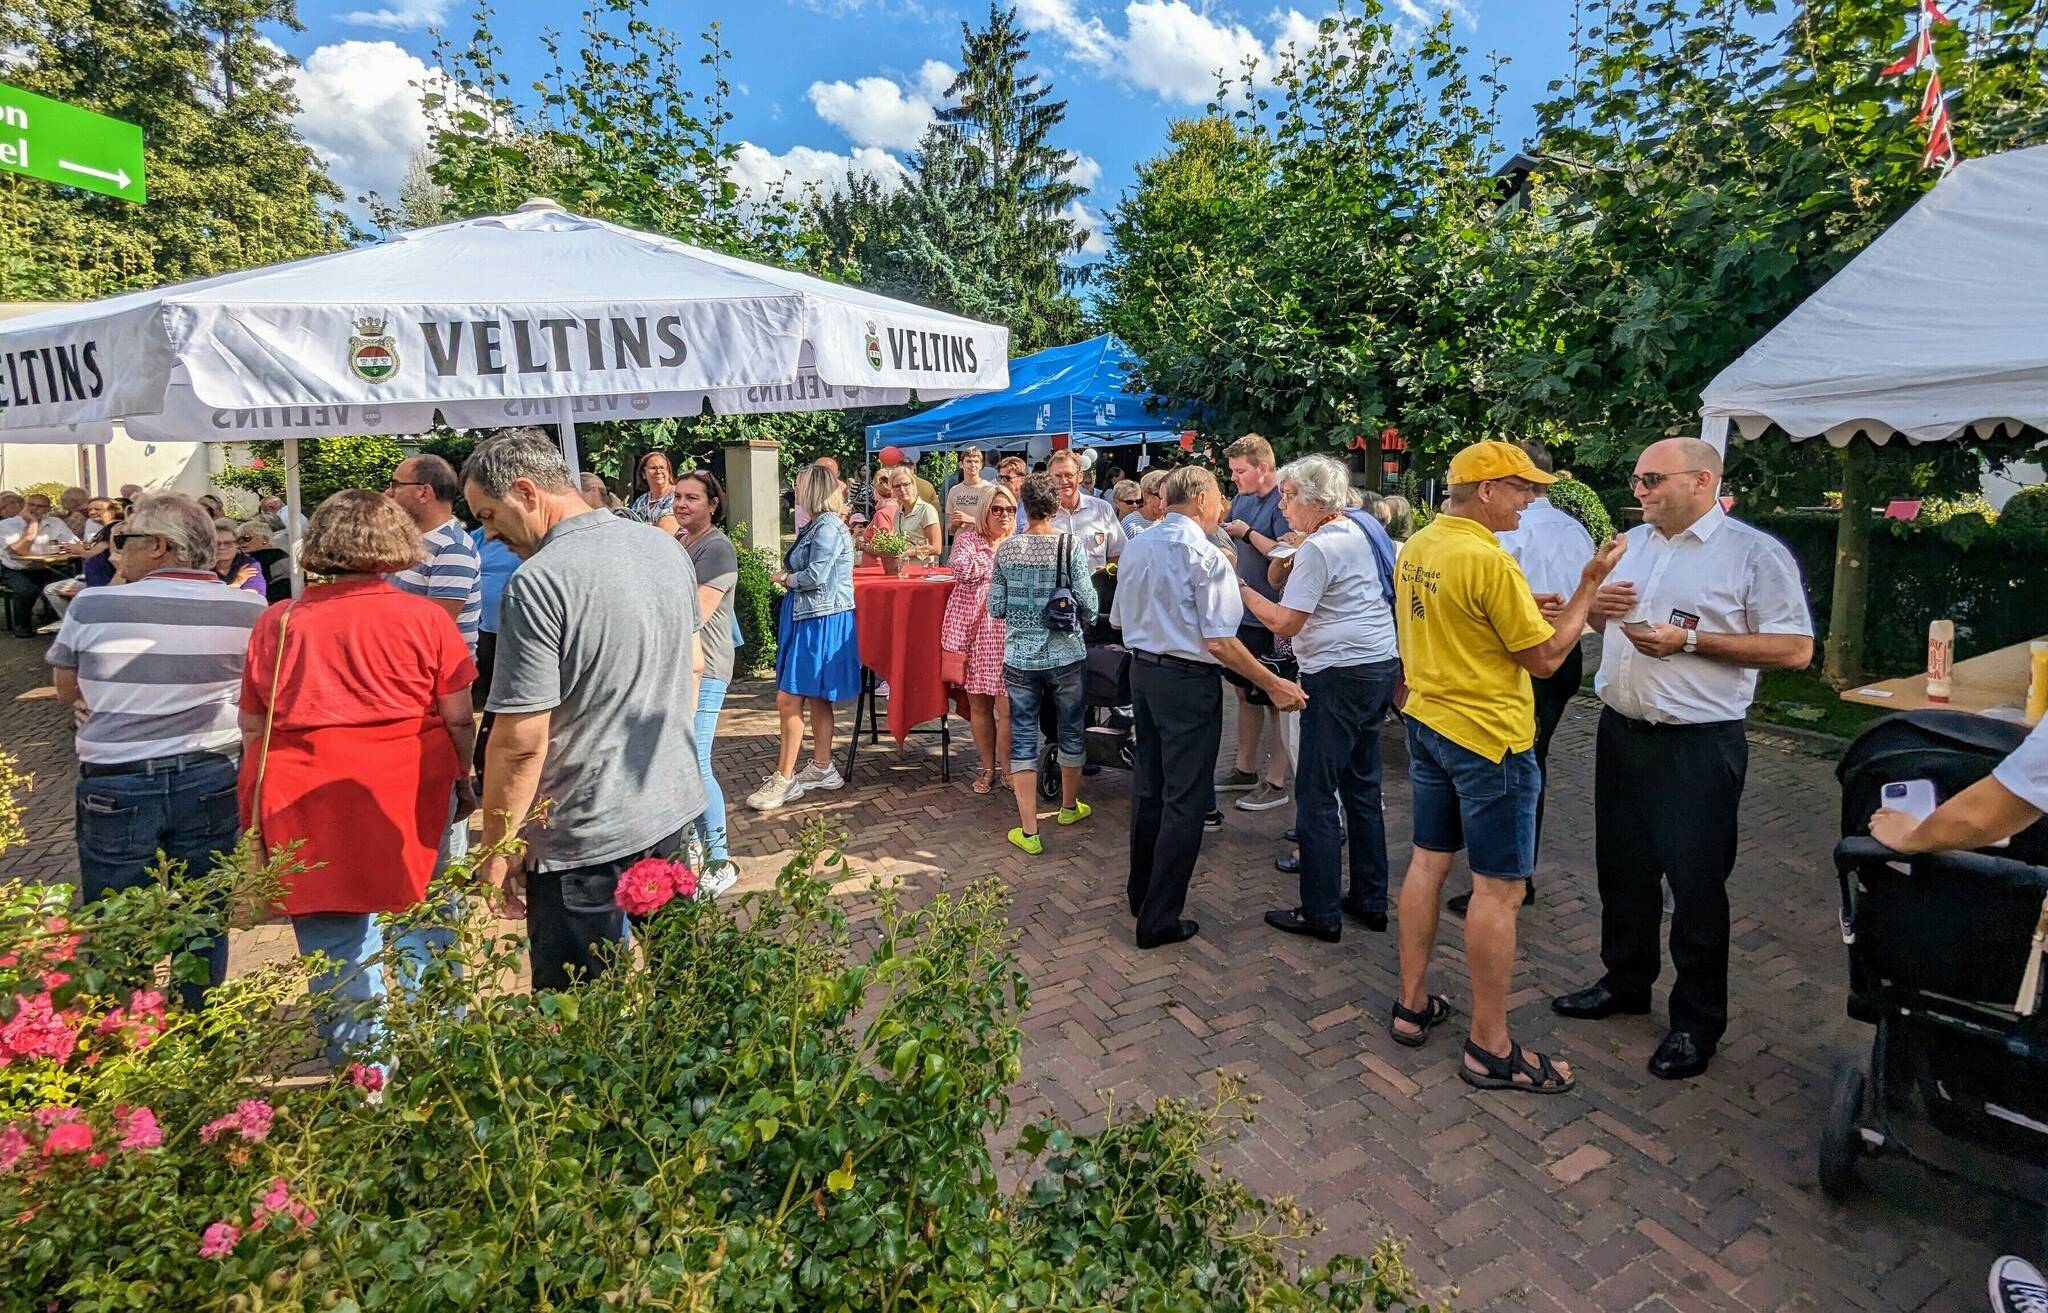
[231,185]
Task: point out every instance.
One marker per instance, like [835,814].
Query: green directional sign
[57,142]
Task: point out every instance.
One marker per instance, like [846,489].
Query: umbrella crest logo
[372,352]
[874,345]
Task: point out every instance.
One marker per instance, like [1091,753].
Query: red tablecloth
[897,619]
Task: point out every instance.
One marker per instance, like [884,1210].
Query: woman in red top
[357,751]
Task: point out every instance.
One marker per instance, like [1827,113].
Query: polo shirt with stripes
[451,571]
[159,665]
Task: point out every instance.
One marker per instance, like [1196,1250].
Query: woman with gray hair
[1334,608]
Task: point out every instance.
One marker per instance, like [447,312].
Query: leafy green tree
[326,466]
[231,185]
[1700,178]
[1311,261]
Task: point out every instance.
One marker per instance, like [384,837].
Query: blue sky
[822,85]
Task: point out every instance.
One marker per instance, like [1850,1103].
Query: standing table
[897,619]
[1993,682]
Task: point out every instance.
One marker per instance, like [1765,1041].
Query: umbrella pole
[292,518]
[567,425]
[99,469]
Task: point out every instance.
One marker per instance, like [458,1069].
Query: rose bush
[771,1108]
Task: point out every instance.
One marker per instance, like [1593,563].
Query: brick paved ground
[1630,1193]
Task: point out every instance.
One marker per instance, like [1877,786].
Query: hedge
[1994,585]
[754,602]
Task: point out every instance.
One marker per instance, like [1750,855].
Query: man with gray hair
[594,697]
[153,672]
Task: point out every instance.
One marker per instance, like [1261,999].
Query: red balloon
[892,455]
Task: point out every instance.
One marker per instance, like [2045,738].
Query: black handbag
[1062,612]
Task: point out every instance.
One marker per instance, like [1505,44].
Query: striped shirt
[451,570]
[159,665]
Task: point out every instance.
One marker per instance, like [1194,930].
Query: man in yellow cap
[1471,636]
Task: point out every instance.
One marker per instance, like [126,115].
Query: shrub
[2025,517]
[1582,504]
[755,598]
[774,1110]
[326,466]
[888,543]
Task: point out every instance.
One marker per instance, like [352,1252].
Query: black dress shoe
[1681,1055]
[1185,930]
[1290,864]
[1596,1002]
[1213,821]
[1371,920]
[1459,904]
[1294,923]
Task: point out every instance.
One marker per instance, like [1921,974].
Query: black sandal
[1438,1010]
[1501,1071]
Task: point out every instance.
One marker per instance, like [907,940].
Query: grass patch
[1803,700]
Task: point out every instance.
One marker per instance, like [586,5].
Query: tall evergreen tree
[230,183]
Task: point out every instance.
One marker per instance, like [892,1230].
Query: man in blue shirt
[498,565]
[1256,526]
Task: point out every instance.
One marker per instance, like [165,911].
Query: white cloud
[758,171]
[1085,37]
[1086,172]
[879,111]
[1081,217]
[1178,53]
[1294,29]
[403,16]
[359,109]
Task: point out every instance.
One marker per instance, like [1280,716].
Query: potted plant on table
[888,547]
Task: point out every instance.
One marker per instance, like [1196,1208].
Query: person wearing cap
[1551,547]
[1699,604]
[1471,635]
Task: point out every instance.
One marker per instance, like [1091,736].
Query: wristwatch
[1692,640]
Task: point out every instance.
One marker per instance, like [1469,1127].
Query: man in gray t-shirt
[595,699]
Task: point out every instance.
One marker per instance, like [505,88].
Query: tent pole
[292,518]
[567,424]
[99,469]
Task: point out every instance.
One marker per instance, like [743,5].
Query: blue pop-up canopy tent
[1084,391]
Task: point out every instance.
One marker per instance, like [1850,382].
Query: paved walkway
[1630,1193]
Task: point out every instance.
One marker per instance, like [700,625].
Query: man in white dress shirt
[1698,605]
[1091,520]
[1178,606]
[28,543]
[1551,547]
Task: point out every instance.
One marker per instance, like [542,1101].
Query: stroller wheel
[1048,777]
[1841,1139]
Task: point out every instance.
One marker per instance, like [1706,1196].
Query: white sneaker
[2016,1287]
[814,777]
[882,689]
[719,878]
[776,791]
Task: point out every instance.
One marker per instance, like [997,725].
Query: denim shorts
[1066,687]
[1462,800]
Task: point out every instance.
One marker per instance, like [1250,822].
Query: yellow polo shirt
[1462,604]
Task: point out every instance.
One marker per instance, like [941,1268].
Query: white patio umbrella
[539,316]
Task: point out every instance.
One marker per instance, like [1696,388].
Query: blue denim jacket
[821,569]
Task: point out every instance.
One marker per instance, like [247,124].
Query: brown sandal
[984,781]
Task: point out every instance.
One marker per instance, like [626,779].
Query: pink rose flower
[53,1115]
[68,1137]
[219,1240]
[369,1078]
[38,1030]
[648,884]
[686,881]
[14,1146]
[277,1202]
[139,1129]
[250,1120]
[56,980]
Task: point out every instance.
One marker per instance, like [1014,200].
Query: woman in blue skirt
[817,660]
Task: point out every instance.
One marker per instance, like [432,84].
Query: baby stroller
[1939,962]
[1112,733]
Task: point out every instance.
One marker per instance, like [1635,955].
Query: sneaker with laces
[1235,779]
[1264,798]
[1081,812]
[717,877]
[2017,1287]
[777,790]
[815,777]
[1030,843]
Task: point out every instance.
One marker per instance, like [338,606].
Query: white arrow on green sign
[57,142]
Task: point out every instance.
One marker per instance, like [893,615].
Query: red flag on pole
[1939,144]
[1933,11]
[1923,46]
[1930,101]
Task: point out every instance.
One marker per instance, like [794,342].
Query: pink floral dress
[968,627]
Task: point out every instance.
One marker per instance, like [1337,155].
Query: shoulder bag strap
[1060,574]
[269,721]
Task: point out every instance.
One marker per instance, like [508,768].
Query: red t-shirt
[358,653]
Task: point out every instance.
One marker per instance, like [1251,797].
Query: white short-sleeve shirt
[1551,547]
[1094,525]
[1336,583]
[1175,592]
[2025,772]
[50,534]
[1720,576]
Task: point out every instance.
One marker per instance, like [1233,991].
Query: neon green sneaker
[1081,812]
[1030,843]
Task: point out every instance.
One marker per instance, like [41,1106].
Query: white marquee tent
[539,316]
[1940,325]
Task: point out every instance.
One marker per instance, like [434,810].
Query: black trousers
[1665,799]
[570,912]
[1553,694]
[1180,727]
[486,662]
[26,589]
